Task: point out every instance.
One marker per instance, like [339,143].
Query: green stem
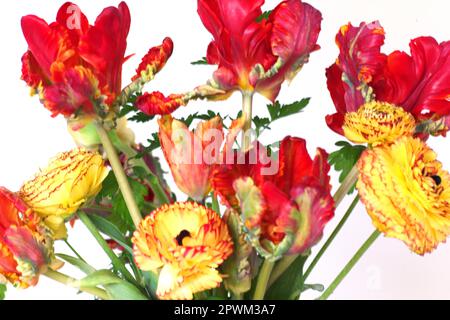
[215,203]
[73,250]
[237,296]
[366,245]
[121,177]
[153,180]
[346,185]
[263,279]
[117,263]
[281,267]
[68,281]
[247,102]
[331,237]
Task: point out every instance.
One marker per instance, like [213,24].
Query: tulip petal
[154,60]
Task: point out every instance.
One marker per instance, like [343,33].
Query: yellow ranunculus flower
[185,243]
[378,122]
[406,193]
[60,189]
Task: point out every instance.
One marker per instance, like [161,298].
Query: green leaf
[264,16]
[97,278]
[108,228]
[126,109]
[261,124]
[278,111]
[124,291]
[345,158]
[2,291]
[202,61]
[153,144]
[109,187]
[141,117]
[120,216]
[289,283]
[204,116]
[80,264]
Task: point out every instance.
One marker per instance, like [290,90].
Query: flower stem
[66,280]
[121,177]
[331,238]
[247,102]
[281,267]
[346,185]
[117,263]
[131,154]
[215,203]
[366,245]
[263,279]
[73,250]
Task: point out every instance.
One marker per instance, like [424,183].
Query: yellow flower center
[378,122]
[184,243]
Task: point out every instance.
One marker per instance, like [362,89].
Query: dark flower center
[183,234]
[437,180]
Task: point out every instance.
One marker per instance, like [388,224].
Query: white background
[29,137]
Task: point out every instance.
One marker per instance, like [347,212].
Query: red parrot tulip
[419,83]
[288,209]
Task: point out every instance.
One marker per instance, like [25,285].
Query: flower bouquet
[245,215]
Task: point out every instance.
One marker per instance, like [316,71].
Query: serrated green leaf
[290,282]
[278,111]
[293,108]
[107,227]
[202,61]
[261,124]
[109,187]
[141,117]
[345,158]
[119,207]
[125,110]
[2,291]
[274,110]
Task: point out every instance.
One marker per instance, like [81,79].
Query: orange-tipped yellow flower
[185,243]
[406,193]
[378,122]
[25,245]
[60,189]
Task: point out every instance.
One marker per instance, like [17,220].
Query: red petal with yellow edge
[315,207]
[278,206]
[8,209]
[295,28]
[24,246]
[78,89]
[360,56]
[238,165]
[417,82]
[32,73]
[156,103]
[155,59]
